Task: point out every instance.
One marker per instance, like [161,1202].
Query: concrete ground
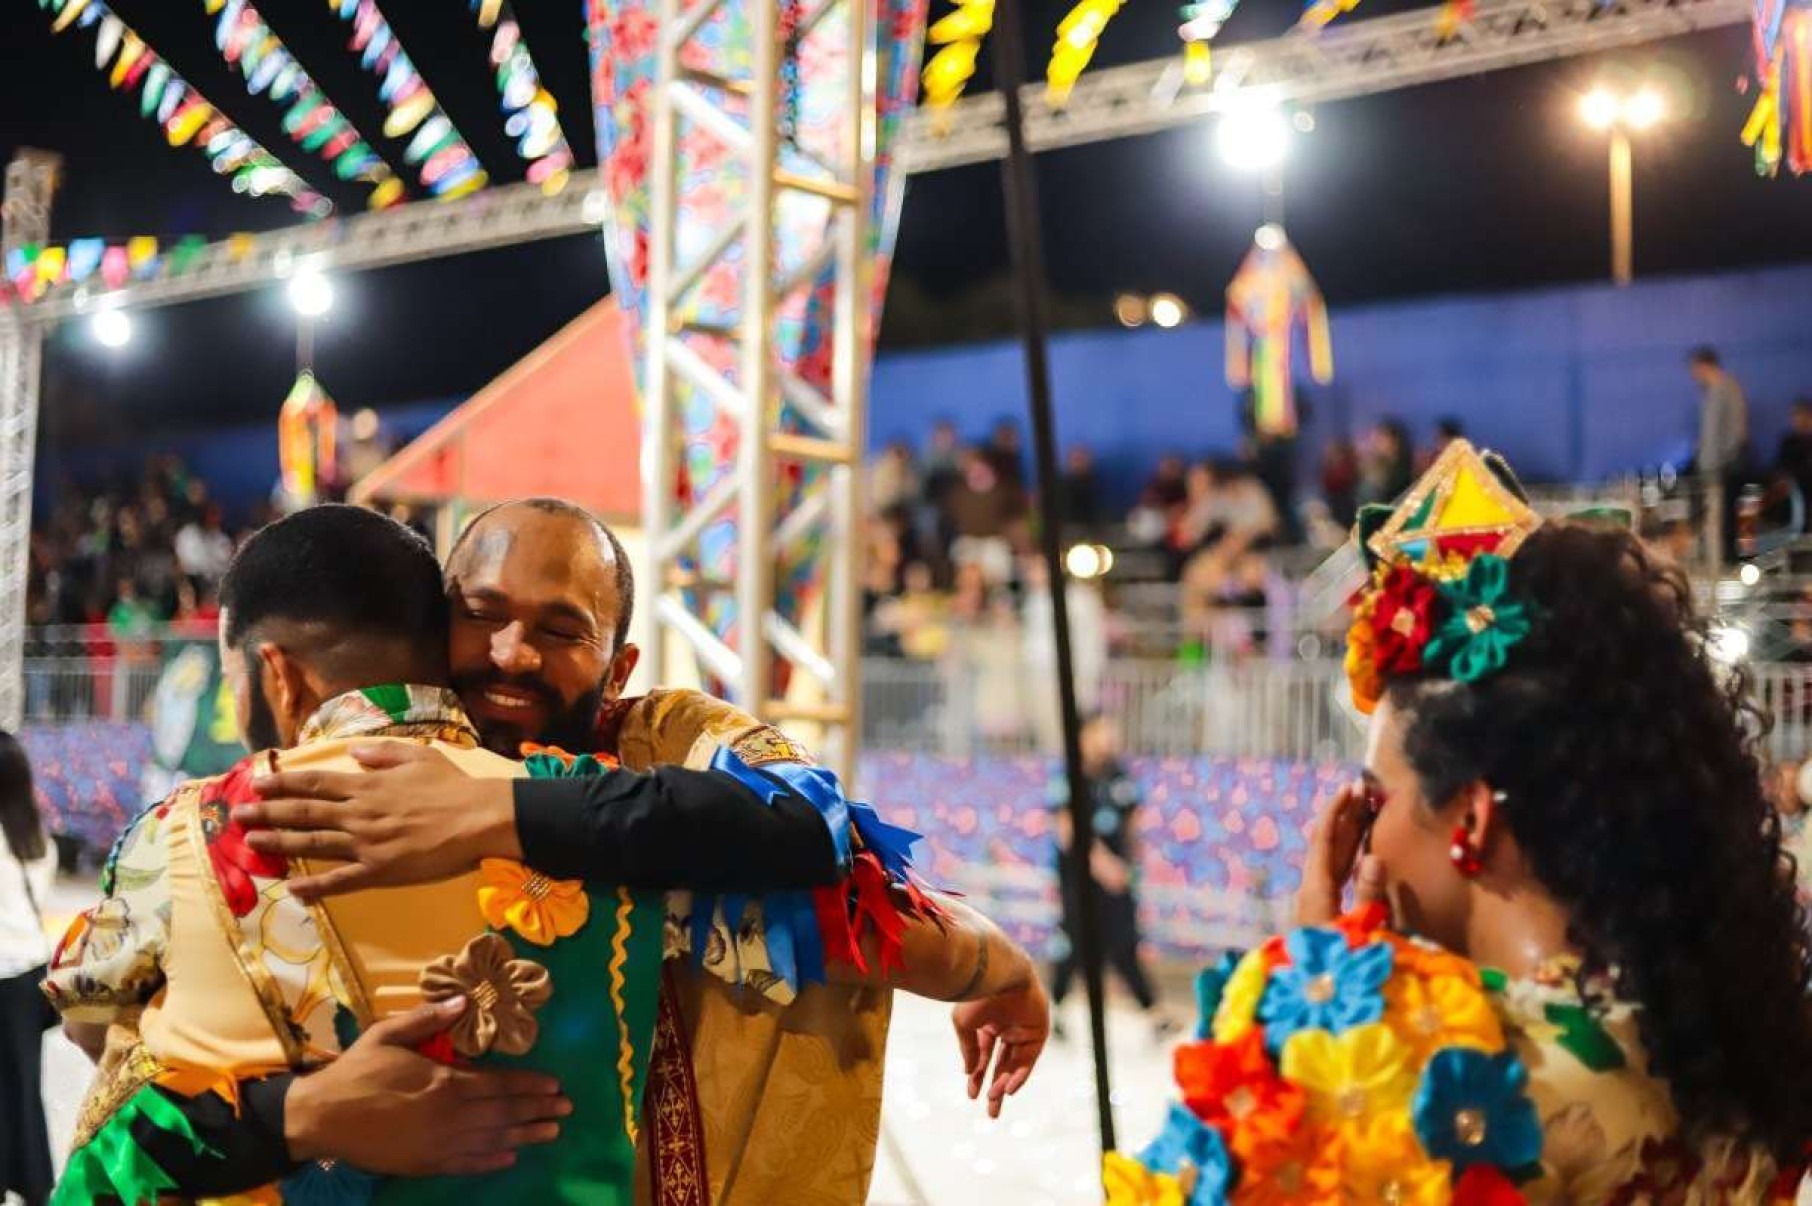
[937,1147]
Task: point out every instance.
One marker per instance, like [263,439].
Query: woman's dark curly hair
[1628,761]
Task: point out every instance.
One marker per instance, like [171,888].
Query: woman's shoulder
[1354,1063]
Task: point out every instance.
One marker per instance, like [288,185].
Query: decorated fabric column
[712,195]
[305,440]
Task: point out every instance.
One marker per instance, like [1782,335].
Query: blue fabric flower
[1326,986]
[1471,1109]
[328,1183]
[1187,1143]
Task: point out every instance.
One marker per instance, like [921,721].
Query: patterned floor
[937,1146]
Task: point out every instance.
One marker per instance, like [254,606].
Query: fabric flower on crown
[1130,1183]
[1353,1080]
[540,909]
[1326,985]
[502,994]
[1193,1153]
[1362,673]
[1485,624]
[1402,616]
[1233,1088]
[1386,1163]
[1471,1109]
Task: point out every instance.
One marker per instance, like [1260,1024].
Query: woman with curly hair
[1605,998]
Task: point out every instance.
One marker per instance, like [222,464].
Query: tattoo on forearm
[975,978]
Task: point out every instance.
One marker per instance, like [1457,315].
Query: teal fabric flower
[1187,1143]
[1210,984]
[1325,986]
[1484,623]
[1471,1108]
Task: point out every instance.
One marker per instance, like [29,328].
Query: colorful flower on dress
[1363,924]
[328,1183]
[1238,1009]
[1402,616]
[1233,1088]
[1194,1154]
[1130,1183]
[1301,1170]
[1353,1079]
[513,897]
[236,865]
[1483,1185]
[502,994]
[1386,1163]
[1471,1108]
[1432,1012]
[1326,986]
[1485,624]
[1210,987]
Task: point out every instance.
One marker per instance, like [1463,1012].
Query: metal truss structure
[31,181]
[828,432]
[1351,59]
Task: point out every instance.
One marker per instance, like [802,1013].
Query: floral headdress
[1438,598]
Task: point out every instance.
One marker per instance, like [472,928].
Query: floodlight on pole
[1168,310]
[1622,114]
[112,328]
[310,293]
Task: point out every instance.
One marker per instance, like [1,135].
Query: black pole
[1026,238]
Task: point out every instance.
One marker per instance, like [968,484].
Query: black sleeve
[674,828]
[236,1154]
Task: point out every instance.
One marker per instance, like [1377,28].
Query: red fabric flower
[1233,1088]
[1402,620]
[1484,1185]
[235,863]
[1362,924]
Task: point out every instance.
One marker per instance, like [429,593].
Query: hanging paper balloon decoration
[531,117]
[305,440]
[960,35]
[185,115]
[1780,126]
[1201,21]
[1270,296]
[409,101]
[247,42]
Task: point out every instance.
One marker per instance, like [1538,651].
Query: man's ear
[621,667]
[291,695]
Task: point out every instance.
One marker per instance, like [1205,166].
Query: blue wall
[1577,382]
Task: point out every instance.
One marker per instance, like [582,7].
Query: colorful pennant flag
[1270,296]
[1780,125]
[959,36]
[1201,20]
[248,43]
[530,115]
[446,166]
[185,115]
[1077,35]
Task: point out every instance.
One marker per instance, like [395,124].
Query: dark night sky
[1477,184]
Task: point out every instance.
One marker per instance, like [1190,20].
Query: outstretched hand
[412,817]
[384,1107]
[1001,1038]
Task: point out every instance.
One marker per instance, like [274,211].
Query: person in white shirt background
[27,866]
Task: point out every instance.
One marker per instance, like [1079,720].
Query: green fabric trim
[112,1164]
[393,698]
[1581,1035]
[1423,514]
[1371,520]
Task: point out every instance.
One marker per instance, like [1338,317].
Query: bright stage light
[1253,137]
[111,328]
[1750,574]
[1599,108]
[1130,310]
[1270,237]
[1168,310]
[310,293]
[1087,561]
[1644,109]
[1729,644]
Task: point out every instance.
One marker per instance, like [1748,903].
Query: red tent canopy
[562,421]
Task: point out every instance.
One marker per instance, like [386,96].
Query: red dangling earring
[1464,854]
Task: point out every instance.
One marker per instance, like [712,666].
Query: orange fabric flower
[1431,1012]
[1300,1169]
[1362,672]
[540,909]
[1232,1087]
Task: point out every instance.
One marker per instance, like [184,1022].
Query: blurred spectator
[1793,461]
[1088,648]
[984,509]
[130,617]
[1160,504]
[1340,481]
[1168,486]
[1084,507]
[943,462]
[1006,453]
[1387,467]
[893,479]
[917,621]
[1446,431]
[983,662]
[203,549]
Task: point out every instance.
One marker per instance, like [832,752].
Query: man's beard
[571,727]
[261,726]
